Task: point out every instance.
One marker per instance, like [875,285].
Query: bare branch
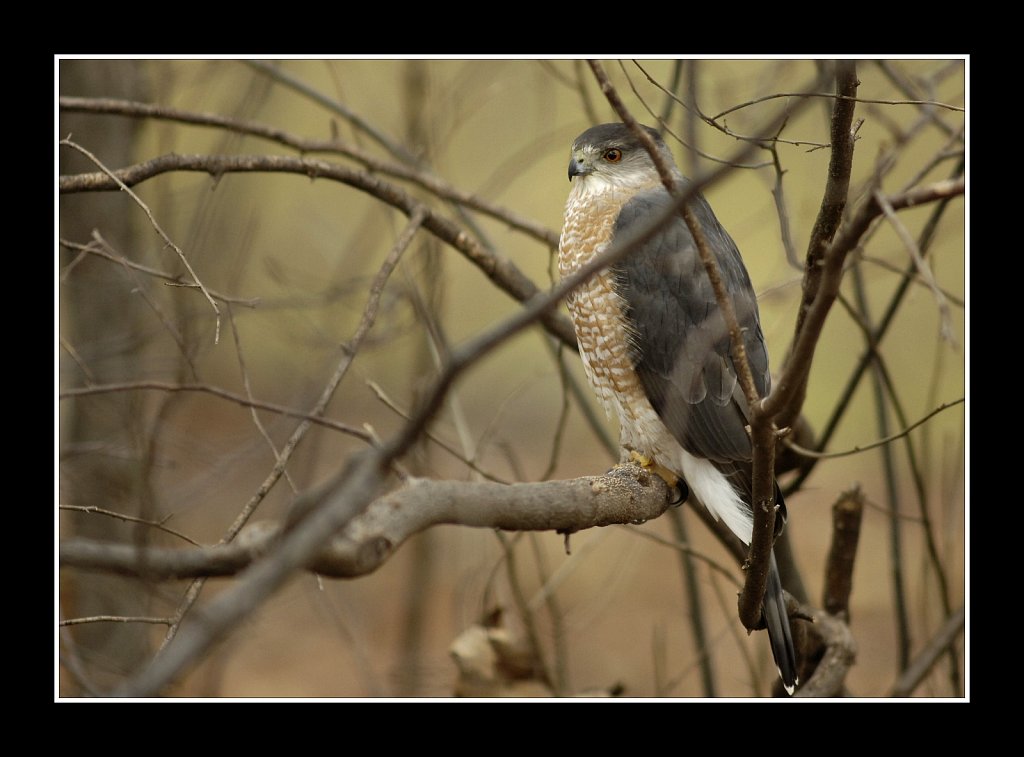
[881,442]
[711,121]
[216,391]
[830,214]
[200,640]
[279,75]
[689,144]
[499,269]
[786,397]
[626,494]
[247,385]
[923,269]
[883,263]
[921,665]
[418,175]
[780,209]
[888,317]
[149,214]
[840,653]
[706,256]
[175,280]
[846,519]
[378,390]
[761,428]
[911,91]
[114,619]
[834,96]
[129,519]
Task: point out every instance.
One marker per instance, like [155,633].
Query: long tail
[779,633]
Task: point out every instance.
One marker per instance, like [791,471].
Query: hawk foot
[651,465]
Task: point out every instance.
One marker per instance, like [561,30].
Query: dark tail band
[777,619]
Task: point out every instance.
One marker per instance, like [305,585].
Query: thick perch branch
[626,494]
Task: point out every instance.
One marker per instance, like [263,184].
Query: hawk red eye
[613,155]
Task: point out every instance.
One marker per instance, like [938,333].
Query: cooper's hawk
[655,345]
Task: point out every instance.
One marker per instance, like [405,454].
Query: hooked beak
[579,167]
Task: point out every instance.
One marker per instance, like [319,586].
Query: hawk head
[609,155]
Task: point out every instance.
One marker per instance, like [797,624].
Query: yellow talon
[650,464]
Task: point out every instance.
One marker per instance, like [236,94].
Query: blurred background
[294,257]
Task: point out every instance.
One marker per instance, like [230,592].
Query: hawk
[655,346]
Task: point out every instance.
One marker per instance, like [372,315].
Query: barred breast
[602,330]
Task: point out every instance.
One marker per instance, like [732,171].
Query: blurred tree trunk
[101,448]
[427,294]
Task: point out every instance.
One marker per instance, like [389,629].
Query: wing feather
[680,345]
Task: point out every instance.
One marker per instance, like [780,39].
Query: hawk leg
[671,479]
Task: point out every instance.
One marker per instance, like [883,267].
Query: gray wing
[680,343]
[683,354]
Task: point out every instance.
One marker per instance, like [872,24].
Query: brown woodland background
[157,432]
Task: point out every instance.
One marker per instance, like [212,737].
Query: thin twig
[931,542]
[678,67]
[247,385]
[695,606]
[780,209]
[163,235]
[830,214]
[350,492]
[279,75]
[378,390]
[526,614]
[172,279]
[366,321]
[908,88]
[923,269]
[881,442]
[691,123]
[163,386]
[499,269]
[73,353]
[786,390]
[946,293]
[581,88]
[419,175]
[835,96]
[137,286]
[561,682]
[928,233]
[562,422]
[725,130]
[761,430]
[129,518]
[115,619]
[690,143]
[717,567]
[925,660]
